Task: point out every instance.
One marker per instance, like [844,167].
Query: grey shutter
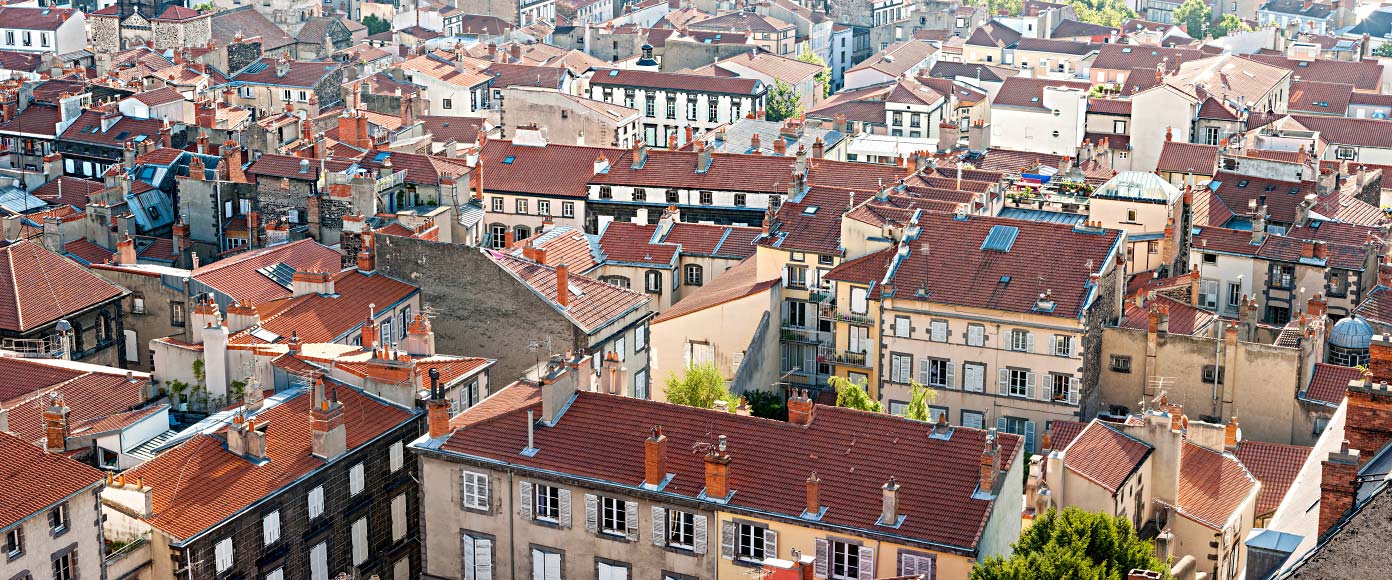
[727,540]
[770,543]
[631,520]
[1029,342]
[823,557]
[525,491]
[659,526]
[951,375]
[908,565]
[1003,387]
[895,365]
[591,513]
[699,537]
[1073,390]
[1000,425]
[867,563]
[1029,436]
[925,374]
[564,507]
[1029,384]
[468,548]
[483,560]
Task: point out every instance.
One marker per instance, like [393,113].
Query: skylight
[810,210]
[1000,238]
[509,159]
[613,73]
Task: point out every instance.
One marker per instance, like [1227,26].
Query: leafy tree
[1112,13]
[1195,16]
[702,386]
[783,102]
[823,78]
[919,397]
[375,25]
[1074,544]
[853,395]
[766,404]
[1227,24]
[1383,50]
[205,7]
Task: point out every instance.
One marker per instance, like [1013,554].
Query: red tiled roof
[676,81]
[458,129]
[25,376]
[521,75]
[1336,232]
[160,96]
[565,245]
[1321,98]
[1212,485]
[1377,307]
[628,242]
[1184,319]
[1275,466]
[1029,92]
[68,190]
[1109,106]
[88,251]
[738,172]
[320,318]
[87,129]
[937,497]
[177,13]
[34,18]
[301,74]
[1226,240]
[867,269]
[802,229]
[88,395]
[419,169]
[1062,433]
[186,500]
[49,91]
[1129,57]
[1365,74]
[1329,383]
[1342,131]
[1104,455]
[37,480]
[1282,197]
[41,286]
[284,166]
[34,120]
[553,170]
[713,240]
[592,303]
[237,277]
[1179,157]
[739,281]
[112,422]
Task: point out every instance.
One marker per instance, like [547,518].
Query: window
[63,567]
[319,561]
[901,326]
[521,206]
[286,94]
[1281,276]
[671,106]
[681,529]
[620,281]
[1211,374]
[497,205]
[1208,294]
[398,517]
[751,542]
[9,37]
[475,490]
[640,194]
[693,275]
[1234,294]
[546,503]
[137,304]
[859,339]
[706,198]
[1346,153]
[628,98]
[976,335]
[1017,383]
[937,330]
[58,518]
[270,528]
[176,314]
[974,377]
[606,192]
[1061,387]
[316,502]
[477,550]
[1131,215]
[935,372]
[355,479]
[711,108]
[448,103]
[973,419]
[546,565]
[845,561]
[640,338]
[653,281]
[691,108]
[797,314]
[277,574]
[1021,341]
[1018,426]
[795,276]
[859,297]
[673,196]
[1063,345]
[900,368]
[497,234]
[739,200]
[359,538]
[1121,363]
[223,555]
[613,516]
[607,571]
[620,348]
[650,106]
[14,542]
[544,207]
[567,209]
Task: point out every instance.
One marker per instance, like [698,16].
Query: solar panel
[280,273]
[1000,239]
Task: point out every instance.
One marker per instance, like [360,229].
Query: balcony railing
[797,334]
[855,359]
[856,319]
[819,294]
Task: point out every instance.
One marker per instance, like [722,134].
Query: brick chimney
[990,464]
[800,408]
[437,415]
[814,496]
[125,252]
[818,148]
[1316,306]
[655,458]
[889,511]
[420,338]
[1338,485]
[640,154]
[367,256]
[718,471]
[1232,434]
[303,283]
[247,438]
[330,439]
[1369,422]
[563,285]
[56,424]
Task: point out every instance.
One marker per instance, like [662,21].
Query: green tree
[1195,16]
[1383,50]
[1103,12]
[766,404]
[853,395]
[375,25]
[1074,544]
[702,386]
[783,102]
[205,7]
[1227,24]
[823,78]
[919,397]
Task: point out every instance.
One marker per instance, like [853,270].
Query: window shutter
[591,513]
[1029,342]
[1073,390]
[785,276]
[483,559]
[686,356]
[659,526]
[951,375]
[631,520]
[553,567]
[699,538]
[1004,384]
[823,557]
[1029,436]
[923,371]
[867,563]
[1000,424]
[469,561]
[908,565]
[525,492]
[770,543]
[727,540]
[1029,384]
[895,363]
[564,507]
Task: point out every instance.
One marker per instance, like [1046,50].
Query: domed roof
[1351,332]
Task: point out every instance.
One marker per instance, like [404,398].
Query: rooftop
[42,287]
[38,479]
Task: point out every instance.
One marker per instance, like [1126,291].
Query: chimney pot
[718,471]
[814,495]
[800,408]
[655,458]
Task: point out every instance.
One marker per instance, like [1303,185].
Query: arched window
[694,275]
[653,281]
[521,232]
[77,341]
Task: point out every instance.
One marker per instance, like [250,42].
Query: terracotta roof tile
[520,75]
[35,119]
[320,318]
[304,74]
[592,304]
[458,129]
[237,276]
[677,81]
[88,394]
[87,129]
[566,245]
[1366,74]
[713,240]
[1029,92]
[1129,56]
[630,243]
[35,18]
[175,13]
[553,170]
[1275,466]
[737,172]
[1184,319]
[1062,433]
[1109,106]
[1104,455]
[37,479]
[112,422]
[41,286]
[1212,485]
[1179,157]
[737,282]
[1329,383]
[1320,98]
[87,251]
[1342,131]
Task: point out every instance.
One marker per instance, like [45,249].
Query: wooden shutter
[1004,384]
[699,537]
[483,559]
[770,543]
[553,566]
[631,520]
[524,490]
[591,513]
[951,375]
[467,547]
[659,526]
[1029,342]
[924,371]
[896,363]
[727,540]
[867,563]
[1073,387]
[1000,424]
[823,558]
[908,565]
[1030,377]
[482,483]
[564,507]
[1029,436]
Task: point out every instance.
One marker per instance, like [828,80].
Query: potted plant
[176,391]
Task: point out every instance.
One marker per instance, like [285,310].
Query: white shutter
[359,541]
[785,276]
[1029,384]
[924,370]
[823,558]
[631,520]
[564,507]
[686,356]
[1029,342]
[659,526]
[895,364]
[395,457]
[485,501]
[770,543]
[867,563]
[901,327]
[483,559]
[553,567]
[908,565]
[355,479]
[524,492]
[699,538]
[975,335]
[591,513]
[319,562]
[467,547]
[1004,384]
[223,552]
[316,502]
[398,517]
[939,331]
[951,375]
[538,564]
[270,528]
[727,540]
[1073,387]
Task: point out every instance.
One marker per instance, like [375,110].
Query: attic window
[1270,187]
[1242,183]
[1126,51]
[1295,191]
[1005,279]
[613,73]
[1303,64]
[810,210]
[509,159]
[122,135]
[1034,99]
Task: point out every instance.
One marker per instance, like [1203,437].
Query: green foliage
[1074,544]
[1112,13]
[783,102]
[702,386]
[823,78]
[919,397]
[375,25]
[205,7]
[177,389]
[1383,50]
[766,404]
[1229,23]
[236,390]
[853,395]
[993,7]
[1195,16]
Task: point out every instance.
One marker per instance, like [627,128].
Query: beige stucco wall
[83,531]
[728,327]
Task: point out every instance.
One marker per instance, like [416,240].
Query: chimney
[818,148]
[330,439]
[838,123]
[948,136]
[1232,435]
[247,438]
[1316,306]
[370,331]
[516,50]
[718,472]
[563,285]
[655,458]
[640,154]
[367,256]
[420,338]
[755,144]
[703,157]
[56,424]
[780,146]
[125,251]
[437,415]
[978,137]
[889,512]
[800,408]
[814,496]
[1338,486]
[303,283]
[990,464]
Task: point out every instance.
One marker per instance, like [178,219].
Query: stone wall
[241,54]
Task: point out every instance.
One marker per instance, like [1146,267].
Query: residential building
[42,29]
[97,139]
[526,184]
[1049,58]
[1362,141]
[456,88]
[1039,115]
[85,322]
[767,32]
[839,59]
[673,103]
[1314,17]
[899,60]
[771,69]
[1365,75]
[272,85]
[992,43]
[52,521]
[1152,212]
[1116,62]
[1187,164]
[567,119]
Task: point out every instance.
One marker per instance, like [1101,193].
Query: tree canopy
[702,386]
[1074,544]
[375,25]
[1195,16]
[823,78]
[1383,50]
[783,102]
[1229,23]
[1112,13]
[853,395]
[919,397]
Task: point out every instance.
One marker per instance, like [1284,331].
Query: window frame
[756,542]
[847,551]
[612,510]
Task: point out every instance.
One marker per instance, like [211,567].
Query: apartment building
[1039,115]
[673,104]
[273,85]
[52,520]
[42,29]
[518,487]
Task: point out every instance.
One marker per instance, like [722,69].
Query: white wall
[1057,130]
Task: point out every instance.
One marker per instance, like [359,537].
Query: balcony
[389,181]
[854,359]
[856,319]
[820,294]
[798,334]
